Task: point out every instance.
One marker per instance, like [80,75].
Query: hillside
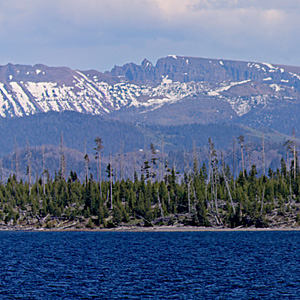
[124,140]
[177,90]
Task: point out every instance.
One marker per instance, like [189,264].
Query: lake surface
[143,265]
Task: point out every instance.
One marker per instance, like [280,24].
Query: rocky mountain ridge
[218,89]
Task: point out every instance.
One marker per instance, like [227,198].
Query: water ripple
[111,265]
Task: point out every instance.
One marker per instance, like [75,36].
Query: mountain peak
[146,63]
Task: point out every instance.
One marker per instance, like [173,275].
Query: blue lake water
[158,265]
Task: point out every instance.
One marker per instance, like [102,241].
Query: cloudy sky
[98,34]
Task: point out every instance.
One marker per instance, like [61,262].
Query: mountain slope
[123,139]
[177,90]
[78,129]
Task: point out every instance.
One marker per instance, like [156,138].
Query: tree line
[208,194]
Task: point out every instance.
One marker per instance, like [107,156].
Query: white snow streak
[271,67]
[23,99]
[10,104]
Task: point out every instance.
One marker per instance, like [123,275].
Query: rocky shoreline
[126,228]
[274,221]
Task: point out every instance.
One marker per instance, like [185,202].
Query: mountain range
[177,90]
[183,100]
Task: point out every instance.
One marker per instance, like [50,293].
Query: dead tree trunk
[227,186]
[62,166]
[263,155]
[241,142]
[16,158]
[110,183]
[159,204]
[44,170]
[294,150]
[28,167]
[99,147]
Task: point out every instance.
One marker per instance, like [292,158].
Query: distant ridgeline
[211,194]
[74,135]
[176,90]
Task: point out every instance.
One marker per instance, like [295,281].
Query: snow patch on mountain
[23,99]
[226,87]
[243,105]
[276,87]
[271,67]
[41,89]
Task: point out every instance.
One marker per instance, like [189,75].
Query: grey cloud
[246,4]
[100,33]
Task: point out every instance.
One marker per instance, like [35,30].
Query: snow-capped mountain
[209,86]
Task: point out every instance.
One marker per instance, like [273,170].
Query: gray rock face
[186,69]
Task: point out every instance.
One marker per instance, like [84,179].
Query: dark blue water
[112,265]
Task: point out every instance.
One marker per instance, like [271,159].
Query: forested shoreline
[205,196]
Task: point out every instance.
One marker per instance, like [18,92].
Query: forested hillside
[206,195]
[78,129]
[124,142]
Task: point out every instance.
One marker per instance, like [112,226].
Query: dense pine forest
[208,194]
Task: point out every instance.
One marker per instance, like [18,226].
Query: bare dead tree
[62,163]
[294,152]
[29,156]
[163,159]
[116,168]
[98,152]
[195,160]
[135,175]
[86,163]
[214,177]
[289,146]
[153,161]
[262,200]
[263,155]
[233,161]
[226,182]
[110,182]
[185,161]
[1,171]
[121,159]
[248,149]
[189,197]
[159,204]
[241,140]
[44,169]
[16,159]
